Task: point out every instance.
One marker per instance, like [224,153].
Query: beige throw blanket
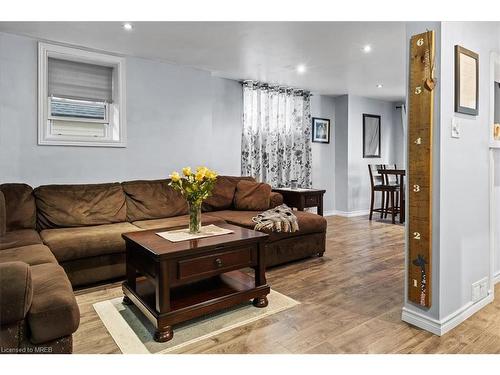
[278,219]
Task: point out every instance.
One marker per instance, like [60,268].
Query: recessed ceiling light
[379,86]
[128,26]
[367,48]
[301,68]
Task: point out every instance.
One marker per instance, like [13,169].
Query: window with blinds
[79,93]
[83,102]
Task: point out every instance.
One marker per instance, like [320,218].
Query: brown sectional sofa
[38,310]
[56,237]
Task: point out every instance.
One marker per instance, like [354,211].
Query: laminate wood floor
[351,302]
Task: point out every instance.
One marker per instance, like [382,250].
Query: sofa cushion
[223,193]
[93,270]
[18,238]
[32,254]
[16,292]
[3,223]
[152,200]
[175,222]
[308,222]
[76,243]
[252,196]
[62,206]
[19,206]
[54,312]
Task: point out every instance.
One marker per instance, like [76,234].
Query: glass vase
[194,217]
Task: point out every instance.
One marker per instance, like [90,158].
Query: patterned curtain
[276,142]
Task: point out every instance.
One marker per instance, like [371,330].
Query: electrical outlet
[455,128]
[480,289]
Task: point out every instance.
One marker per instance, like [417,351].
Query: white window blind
[81,81]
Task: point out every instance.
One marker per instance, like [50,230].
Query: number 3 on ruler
[416,235]
[416,188]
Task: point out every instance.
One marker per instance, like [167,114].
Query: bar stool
[392,180]
[379,183]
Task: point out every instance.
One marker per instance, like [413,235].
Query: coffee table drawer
[311,200]
[214,264]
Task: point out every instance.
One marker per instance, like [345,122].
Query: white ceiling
[266,51]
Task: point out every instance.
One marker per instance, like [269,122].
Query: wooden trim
[420,141]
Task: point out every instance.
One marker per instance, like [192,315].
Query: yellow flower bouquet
[195,187]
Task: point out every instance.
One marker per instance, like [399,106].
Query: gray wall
[341,153]
[176,116]
[358,180]
[399,141]
[323,155]
[352,182]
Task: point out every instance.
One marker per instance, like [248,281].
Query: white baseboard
[440,327]
[496,277]
[349,213]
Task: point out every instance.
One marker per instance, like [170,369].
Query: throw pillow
[252,196]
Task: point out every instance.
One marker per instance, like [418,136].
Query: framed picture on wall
[320,130]
[371,136]
[466,81]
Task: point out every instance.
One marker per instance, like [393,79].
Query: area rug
[133,332]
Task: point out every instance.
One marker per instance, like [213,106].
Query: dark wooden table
[187,279]
[401,173]
[302,198]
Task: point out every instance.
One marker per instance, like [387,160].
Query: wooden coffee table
[171,282]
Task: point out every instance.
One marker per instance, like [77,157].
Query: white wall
[465,202]
[176,116]
[323,155]
[496,213]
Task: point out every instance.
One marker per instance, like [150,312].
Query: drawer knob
[218,262]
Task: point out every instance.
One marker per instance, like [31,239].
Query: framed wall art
[320,130]
[466,81]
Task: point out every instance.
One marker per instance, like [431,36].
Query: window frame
[116,112]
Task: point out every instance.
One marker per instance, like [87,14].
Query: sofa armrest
[275,200]
[16,291]
[3,215]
